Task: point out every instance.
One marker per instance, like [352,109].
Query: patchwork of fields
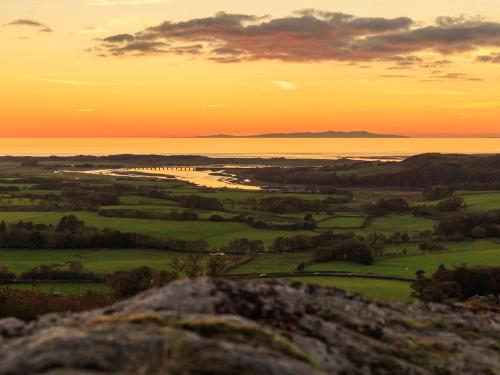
[402,259]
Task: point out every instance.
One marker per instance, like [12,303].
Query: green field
[62,288]
[401,259]
[366,170]
[266,263]
[138,200]
[399,223]
[103,261]
[13,201]
[388,290]
[480,200]
[21,186]
[407,266]
[217,234]
[342,222]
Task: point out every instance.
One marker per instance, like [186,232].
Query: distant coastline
[327,134]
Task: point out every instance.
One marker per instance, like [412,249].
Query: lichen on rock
[251,327]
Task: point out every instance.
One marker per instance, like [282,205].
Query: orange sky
[54,84]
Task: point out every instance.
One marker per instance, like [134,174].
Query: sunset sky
[154,68]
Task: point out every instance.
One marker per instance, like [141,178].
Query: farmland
[154,208]
[380,289]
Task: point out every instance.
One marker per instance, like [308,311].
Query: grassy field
[342,222]
[21,186]
[138,200]
[217,234]
[101,261]
[399,223]
[64,289]
[367,170]
[407,266]
[13,201]
[388,290]
[266,263]
[480,200]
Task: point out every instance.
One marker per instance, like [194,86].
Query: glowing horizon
[390,68]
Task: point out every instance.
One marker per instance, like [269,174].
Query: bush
[437,192]
[385,206]
[353,249]
[431,246]
[200,203]
[128,283]
[243,245]
[450,204]
[6,275]
[27,305]
[292,204]
[73,272]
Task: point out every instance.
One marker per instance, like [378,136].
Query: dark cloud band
[307,36]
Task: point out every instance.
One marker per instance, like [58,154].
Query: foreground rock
[249,327]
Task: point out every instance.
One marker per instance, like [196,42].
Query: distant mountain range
[328,134]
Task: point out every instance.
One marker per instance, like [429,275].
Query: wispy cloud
[253,71]
[123,2]
[94,30]
[31,23]
[285,85]
[478,105]
[65,82]
[213,106]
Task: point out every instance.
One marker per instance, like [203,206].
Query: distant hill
[328,134]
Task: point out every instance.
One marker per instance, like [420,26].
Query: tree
[479,232]
[376,242]
[128,283]
[75,266]
[192,266]
[460,283]
[70,224]
[216,266]
[437,192]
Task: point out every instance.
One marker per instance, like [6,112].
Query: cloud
[492,58]
[478,105]
[30,23]
[438,76]
[123,2]
[94,30]
[310,36]
[395,76]
[213,106]
[285,85]
[66,82]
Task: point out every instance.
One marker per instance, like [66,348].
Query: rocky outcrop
[251,327]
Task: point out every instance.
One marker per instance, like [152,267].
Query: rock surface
[250,327]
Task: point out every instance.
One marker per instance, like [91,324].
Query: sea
[302,148]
